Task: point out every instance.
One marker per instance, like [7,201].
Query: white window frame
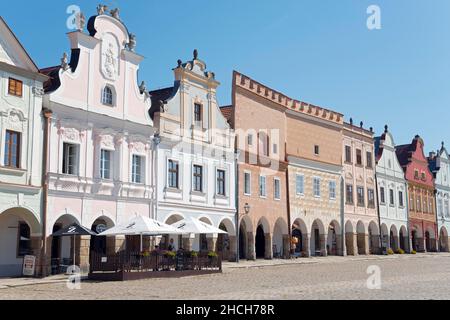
[77,156]
[262,194]
[297,176]
[319,180]
[202,178]
[225,184]
[142,173]
[179,174]
[113,96]
[111,164]
[332,187]
[275,180]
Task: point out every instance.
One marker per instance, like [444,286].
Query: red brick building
[422,211]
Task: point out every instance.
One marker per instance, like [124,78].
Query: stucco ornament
[101,9]
[71,134]
[14,120]
[131,45]
[108,141]
[81,21]
[115,13]
[110,60]
[65,62]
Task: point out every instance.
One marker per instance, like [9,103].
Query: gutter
[47,116]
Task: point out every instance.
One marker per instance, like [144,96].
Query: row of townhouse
[311,184]
[86,142]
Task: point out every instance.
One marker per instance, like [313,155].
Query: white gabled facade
[195,159]
[440,166]
[100,168]
[20,154]
[392,194]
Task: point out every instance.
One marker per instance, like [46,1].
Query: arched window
[108,96]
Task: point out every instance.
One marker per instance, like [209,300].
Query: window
[360,195]
[15,87]
[300,185]
[12,149]
[137,169]
[24,240]
[416,174]
[107,98]
[391,197]
[430,206]
[332,189]
[348,154]
[382,195]
[250,139]
[358,157]
[425,204]
[412,202]
[316,187]
[349,194]
[277,191]
[173,173]
[424,178]
[275,148]
[105,164]
[369,159]
[262,186]
[440,208]
[401,202]
[316,150]
[70,159]
[221,182]
[419,203]
[247,183]
[198,178]
[198,117]
[446,209]
[264,143]
[371,198]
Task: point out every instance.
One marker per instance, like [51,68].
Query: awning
[192,225]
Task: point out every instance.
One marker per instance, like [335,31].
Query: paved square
[423,276]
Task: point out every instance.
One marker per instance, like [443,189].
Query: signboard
[29,264]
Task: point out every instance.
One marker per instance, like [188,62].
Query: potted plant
[194,254]
[413,252]
[400,251]
[390,251]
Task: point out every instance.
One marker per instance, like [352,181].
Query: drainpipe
[378,212]
[288,203]
[341,208]
[45,169]
[237,153]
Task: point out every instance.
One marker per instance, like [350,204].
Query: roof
[53,83]
[20,44]
[227,112]
[403,153]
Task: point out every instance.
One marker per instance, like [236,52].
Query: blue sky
[316,51]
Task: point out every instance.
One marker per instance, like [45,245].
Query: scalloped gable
[11,50]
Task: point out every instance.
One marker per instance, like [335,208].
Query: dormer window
[198,117]
[108,96]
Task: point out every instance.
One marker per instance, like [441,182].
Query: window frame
[360,196]
[197,177]
[297,176]
[332,187]
[66,159]
[317,180]
[369,161]
[14,93]
[262,187]
[18,251]
[382,195]
[359,160]
[102,163]
[350,187]
[198,123]
[370,198]
[275,196]
[249,175]
[348,154]
[7,160]
[222,181]
[134,173]
[111,94]
[175,171]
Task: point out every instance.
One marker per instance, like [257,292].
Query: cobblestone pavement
[424,276]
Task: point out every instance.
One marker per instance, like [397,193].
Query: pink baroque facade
[98,140]
[362,235]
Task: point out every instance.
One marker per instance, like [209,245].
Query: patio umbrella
[192,225]
[141,226]
[74,230]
